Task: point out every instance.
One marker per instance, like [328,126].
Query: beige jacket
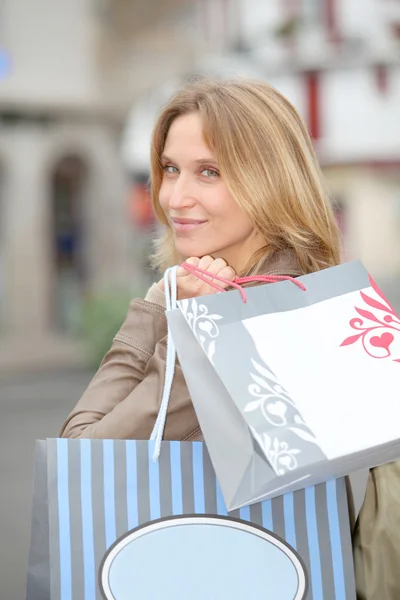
[123,399]
[376,540]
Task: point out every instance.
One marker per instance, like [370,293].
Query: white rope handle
[170,304]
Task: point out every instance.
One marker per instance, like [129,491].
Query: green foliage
[288,28]
[101,317]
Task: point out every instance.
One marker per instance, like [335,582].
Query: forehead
[186,137]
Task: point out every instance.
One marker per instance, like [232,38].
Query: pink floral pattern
[376,331]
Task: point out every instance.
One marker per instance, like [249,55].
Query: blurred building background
[70,71]
[80,84]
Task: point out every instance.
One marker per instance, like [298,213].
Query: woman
[238,188]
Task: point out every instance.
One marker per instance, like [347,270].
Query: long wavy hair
[266,158]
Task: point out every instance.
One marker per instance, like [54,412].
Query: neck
[238,257]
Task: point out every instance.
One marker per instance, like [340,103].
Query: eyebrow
[199,161]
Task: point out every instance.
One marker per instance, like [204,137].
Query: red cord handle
[238,281]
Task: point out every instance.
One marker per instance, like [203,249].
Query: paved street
[32,407]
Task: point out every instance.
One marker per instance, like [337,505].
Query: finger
[227,273]
[205,263]
[182,272]
[216,266]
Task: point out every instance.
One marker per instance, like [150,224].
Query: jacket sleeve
[123,399]
[123,368]
[376,540]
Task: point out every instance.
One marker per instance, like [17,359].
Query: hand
[189,286]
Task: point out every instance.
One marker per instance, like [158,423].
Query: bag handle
[170,286]
[170,304]
[238,282]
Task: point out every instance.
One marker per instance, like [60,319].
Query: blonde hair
[266,158]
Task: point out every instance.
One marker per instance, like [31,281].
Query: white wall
[50,43]
[358,18]
[371,201]
[368,20]
[359,122]
[293,87]
[258,18]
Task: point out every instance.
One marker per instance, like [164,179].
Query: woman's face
[204,216]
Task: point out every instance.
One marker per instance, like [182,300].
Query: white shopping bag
[293,386]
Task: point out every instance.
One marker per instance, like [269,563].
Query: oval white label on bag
[201,558]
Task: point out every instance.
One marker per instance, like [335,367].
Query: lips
[187,224]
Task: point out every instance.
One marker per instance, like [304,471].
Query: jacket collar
[282,262]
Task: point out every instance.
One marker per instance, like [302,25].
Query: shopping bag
[123,526]
[38,579]
[292,386]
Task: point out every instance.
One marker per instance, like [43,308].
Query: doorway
[68,184]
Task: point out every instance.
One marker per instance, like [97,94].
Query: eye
[170,169]
[210,173]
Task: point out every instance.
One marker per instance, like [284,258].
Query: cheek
[228,208]
[236,220]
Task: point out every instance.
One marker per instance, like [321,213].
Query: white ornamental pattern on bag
[291,435]
[280,413]
[203,325]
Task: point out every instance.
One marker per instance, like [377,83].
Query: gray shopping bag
[122,526]
[293,386]
[38,578]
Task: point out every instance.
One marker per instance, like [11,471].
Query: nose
[182,194]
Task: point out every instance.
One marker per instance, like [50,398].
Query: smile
[187,224]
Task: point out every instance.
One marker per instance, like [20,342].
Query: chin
[188,249]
